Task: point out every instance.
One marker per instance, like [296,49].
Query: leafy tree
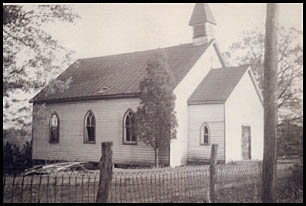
[250,51]
[16,136]
[31,56]
[155,117]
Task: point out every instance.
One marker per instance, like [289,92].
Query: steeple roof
[201,14]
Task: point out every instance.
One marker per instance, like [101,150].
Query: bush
[290,187]
[27,155]
[296,176]
[290,140]
[16,160]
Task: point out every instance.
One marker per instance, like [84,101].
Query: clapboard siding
[178,147]
[109,119]
[213,115]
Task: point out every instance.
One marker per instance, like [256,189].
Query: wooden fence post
[106,169]
[212,173]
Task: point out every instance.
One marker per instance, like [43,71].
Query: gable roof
[119,75]
[217,86]
[201,14]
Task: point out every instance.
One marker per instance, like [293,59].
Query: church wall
[213,116]
[178,147]
[242,110]
[109,127]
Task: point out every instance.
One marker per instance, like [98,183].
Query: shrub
[16,160]
[27,155]
[7,157]
[296,176]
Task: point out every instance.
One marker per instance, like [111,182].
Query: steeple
[203,23]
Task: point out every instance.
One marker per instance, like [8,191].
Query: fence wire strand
[183,184]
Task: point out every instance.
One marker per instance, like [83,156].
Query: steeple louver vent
[203,23]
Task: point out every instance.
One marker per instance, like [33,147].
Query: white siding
[243,108]
[213,115]
[109,116]
[178,147]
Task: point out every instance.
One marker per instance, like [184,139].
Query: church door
[246,143]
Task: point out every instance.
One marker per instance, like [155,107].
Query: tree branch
[282,53]
[16,38]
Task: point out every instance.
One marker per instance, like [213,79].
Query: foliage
[17,136]
[250,50]
[31,56]
[27,155]
[155,117]
[290,139]
[290,184]
[16,160]
[297,173]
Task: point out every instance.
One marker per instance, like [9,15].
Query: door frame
[249,141]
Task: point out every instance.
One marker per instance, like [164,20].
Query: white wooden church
[215,104]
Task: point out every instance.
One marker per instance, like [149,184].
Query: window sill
[205,144]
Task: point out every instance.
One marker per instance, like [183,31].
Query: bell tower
[203,23]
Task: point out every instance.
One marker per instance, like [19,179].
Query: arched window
[54,128]
[90,128]
[129,136]
[204,134]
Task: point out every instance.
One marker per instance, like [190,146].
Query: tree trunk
[270,105]
[156,150]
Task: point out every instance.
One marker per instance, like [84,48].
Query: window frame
[85,138]
[58,129]
[124,129]
[205,124]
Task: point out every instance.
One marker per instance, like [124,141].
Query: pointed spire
[201,14]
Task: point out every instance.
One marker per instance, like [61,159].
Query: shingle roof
[120,74]
[201,14]
[217,86]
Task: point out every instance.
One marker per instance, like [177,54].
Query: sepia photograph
[152,103]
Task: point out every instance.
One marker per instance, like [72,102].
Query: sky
[118,28]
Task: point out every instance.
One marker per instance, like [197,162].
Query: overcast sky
[116,28]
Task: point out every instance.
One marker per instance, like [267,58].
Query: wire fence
[234,183]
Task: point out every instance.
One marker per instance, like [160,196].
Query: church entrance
[246,143]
